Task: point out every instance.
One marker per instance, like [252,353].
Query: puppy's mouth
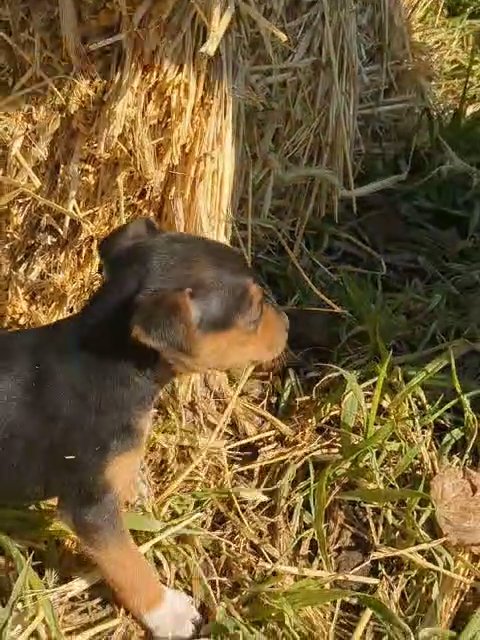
[275,365]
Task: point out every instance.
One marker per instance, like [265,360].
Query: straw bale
[208,116]
[342,92]
[183,111]
[102,122]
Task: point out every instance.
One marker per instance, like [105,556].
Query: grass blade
[382,496]
[307,594]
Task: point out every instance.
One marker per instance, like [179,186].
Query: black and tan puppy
[76,396]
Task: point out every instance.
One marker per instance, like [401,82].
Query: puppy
[76,396]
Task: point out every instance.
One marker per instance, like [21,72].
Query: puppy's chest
[122,466]
[142,424]
[133,433]
[108,436]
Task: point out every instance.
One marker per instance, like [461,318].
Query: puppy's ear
[124,237]
[166,321]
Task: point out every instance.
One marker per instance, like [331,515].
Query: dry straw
[184,111]
[202,114]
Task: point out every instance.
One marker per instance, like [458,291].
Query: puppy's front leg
[165,612]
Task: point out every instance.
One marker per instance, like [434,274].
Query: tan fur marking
[131,577]
[122,471]
[256,293]
[139,334]
[143,425]
[122,474]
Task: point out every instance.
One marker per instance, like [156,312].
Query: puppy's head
[196,301]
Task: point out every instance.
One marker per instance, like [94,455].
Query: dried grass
[183,111]
[202,115]
[451,47]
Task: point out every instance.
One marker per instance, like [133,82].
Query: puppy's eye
[255,315]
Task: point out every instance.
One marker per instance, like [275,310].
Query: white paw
[175,619]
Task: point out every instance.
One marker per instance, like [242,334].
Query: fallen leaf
[456,496]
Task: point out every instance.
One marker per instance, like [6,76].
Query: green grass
[461,8]
[398,398]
